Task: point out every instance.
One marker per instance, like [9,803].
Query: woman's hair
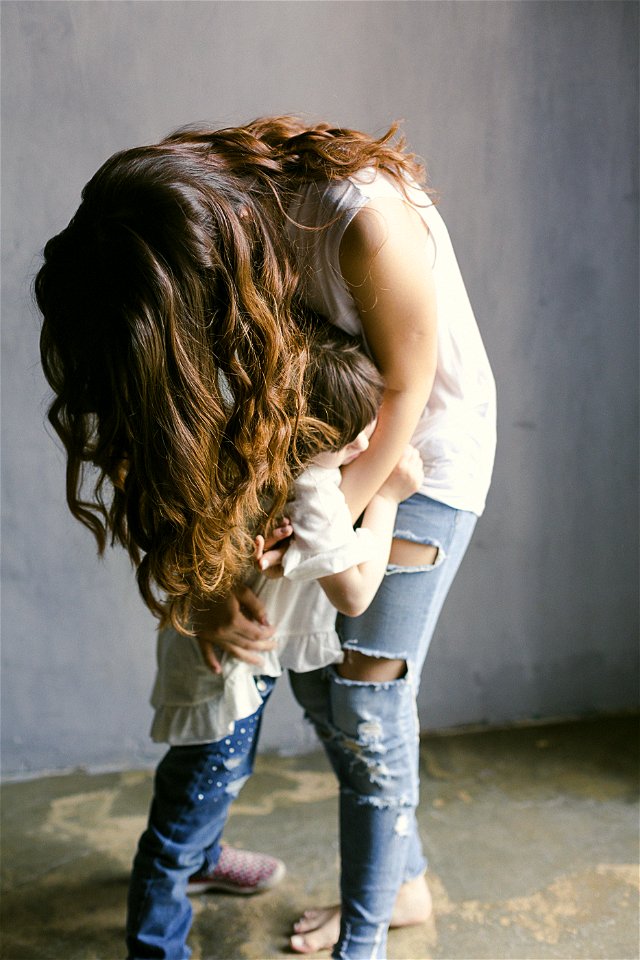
[171,341]
[342,386]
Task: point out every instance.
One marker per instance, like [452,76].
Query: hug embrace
[260,342]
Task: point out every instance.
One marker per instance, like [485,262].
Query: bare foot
[319,929]
[316,930]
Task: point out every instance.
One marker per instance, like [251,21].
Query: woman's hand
[406,477]
[236,624]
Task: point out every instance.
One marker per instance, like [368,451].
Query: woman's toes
[307,921]
[300,944]
[316,930]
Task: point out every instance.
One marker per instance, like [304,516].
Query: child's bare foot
[319,929]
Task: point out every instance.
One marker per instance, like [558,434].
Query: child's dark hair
[342,386]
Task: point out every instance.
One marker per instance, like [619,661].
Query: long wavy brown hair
[172,342]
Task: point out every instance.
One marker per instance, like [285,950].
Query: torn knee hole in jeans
[373,668]
[409,554]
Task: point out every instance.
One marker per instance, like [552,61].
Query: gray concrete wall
[526,114]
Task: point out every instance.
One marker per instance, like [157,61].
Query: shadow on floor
[532,837]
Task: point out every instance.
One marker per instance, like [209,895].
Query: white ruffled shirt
[193,705]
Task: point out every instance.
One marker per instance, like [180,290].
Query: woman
[170,340]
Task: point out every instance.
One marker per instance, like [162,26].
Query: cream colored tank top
[456,434]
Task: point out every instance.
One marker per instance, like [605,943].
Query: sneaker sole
[225,886]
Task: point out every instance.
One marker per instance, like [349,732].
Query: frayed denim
[370,730]
[193,790]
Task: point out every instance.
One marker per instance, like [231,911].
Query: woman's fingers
[236,626]
[242,631]
[239,638]
[211,654]
[250,604]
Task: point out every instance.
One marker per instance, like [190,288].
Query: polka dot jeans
[193,790]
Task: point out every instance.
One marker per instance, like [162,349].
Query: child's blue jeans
[370,730]
[194,788]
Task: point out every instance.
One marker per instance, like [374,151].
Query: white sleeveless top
[456,434]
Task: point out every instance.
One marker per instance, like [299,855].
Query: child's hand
[406,477]
[270,551]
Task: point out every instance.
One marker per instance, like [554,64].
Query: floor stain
[88,818]
[529,848]
[301,787]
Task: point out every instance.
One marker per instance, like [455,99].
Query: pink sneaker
[239,871]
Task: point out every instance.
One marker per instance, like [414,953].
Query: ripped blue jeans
[193,790]
[370,730]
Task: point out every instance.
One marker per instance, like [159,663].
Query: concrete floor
[532,836]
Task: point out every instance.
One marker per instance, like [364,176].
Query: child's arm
[352,591]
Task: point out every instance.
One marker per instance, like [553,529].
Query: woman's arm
[384,258]
[352,590]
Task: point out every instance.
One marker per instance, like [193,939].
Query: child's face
[339,458]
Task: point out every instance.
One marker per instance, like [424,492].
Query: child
[212,720]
